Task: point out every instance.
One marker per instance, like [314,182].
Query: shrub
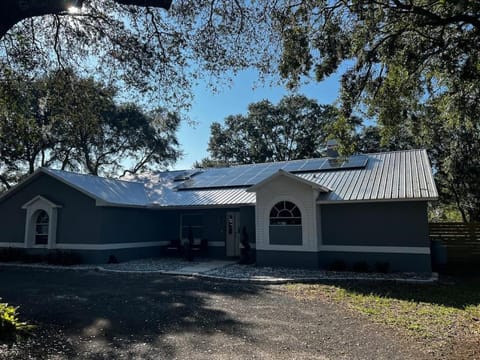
[33,258]
[338,265]
[12,254]
[361,266]
[10,326]
[382,267]
[63,258]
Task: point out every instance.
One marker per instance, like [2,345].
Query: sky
[211,107]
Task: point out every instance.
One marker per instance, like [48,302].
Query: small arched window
[285,213]
[41,228]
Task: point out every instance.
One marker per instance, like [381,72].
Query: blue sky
[208,107]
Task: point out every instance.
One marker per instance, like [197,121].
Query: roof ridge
[393,151]
[90,175]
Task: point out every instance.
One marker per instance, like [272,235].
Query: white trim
[40,198]
[377,249]
[12,244]
[113,246]
[281,172]
[277,247]
[40,203]
[330,202]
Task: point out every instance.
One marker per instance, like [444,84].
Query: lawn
[442,315]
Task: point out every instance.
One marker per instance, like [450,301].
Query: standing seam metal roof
[398,175]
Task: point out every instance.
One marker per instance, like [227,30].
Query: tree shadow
[102,315]
[455,292]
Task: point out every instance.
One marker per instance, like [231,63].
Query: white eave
[40,198]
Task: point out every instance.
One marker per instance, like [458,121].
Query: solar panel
[353,162]
[246,175]
[311,165]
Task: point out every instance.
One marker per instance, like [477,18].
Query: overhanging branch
[14,11]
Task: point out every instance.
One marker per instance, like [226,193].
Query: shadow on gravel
[452,292]
[96,315]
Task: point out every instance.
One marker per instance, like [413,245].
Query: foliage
[74,123]
[10,326]
[149,54]
[295,128]
[414,68]
[338,265]
[209,163]
[431,311]
[360,266]
[13,11]
[56,257]
[411,66]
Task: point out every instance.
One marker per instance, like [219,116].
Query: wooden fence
[462,241]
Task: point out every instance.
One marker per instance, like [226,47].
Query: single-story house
[306,213]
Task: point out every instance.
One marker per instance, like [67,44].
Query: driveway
[92,315]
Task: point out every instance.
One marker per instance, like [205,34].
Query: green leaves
[74,123]
[10,326]
[295,128]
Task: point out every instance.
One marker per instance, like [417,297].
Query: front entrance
[233,233]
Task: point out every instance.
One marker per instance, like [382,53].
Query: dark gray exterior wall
[294,259]
[127,225]
[285,235]
[375,224]
[419,263]
[78,218]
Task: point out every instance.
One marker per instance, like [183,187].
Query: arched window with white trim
[285,213]
[41,227]
[285,224]
[41,223]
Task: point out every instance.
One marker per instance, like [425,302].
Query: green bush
[11,328]
[12,254]
[338,265]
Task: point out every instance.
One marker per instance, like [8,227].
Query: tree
[412,66]
[295,128]
[74,123]
[149,55]
[14,11]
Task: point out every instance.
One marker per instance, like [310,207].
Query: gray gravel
[252,272]
[95,315]
[234,271]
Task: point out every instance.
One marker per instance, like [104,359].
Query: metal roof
[398,175]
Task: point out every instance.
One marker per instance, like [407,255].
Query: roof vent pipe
[331,149]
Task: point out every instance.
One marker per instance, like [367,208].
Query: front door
[233,233]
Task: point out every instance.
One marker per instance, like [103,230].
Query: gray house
[306,213]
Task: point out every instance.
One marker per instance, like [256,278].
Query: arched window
[285,213]
[41,228]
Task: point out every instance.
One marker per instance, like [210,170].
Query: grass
[439,313]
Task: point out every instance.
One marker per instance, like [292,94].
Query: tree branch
[14,11]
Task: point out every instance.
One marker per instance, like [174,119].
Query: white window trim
[33,206]
[266,220]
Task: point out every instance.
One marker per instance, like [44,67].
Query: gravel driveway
[91,315]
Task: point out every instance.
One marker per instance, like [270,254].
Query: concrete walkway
[231,271]
[202,267]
